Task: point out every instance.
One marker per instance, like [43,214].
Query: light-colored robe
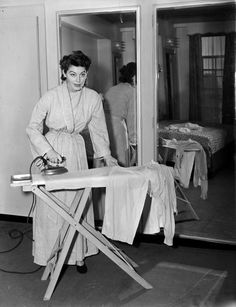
[65,118]
[120,111]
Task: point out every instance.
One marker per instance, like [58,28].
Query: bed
[216,140]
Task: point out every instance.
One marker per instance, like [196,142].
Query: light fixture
[121,18]
[172,42]
[119,46]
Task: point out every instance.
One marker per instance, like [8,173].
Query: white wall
[92,24]
[104,72]
[22,81]
[71,40]
[128,36]
[93,36]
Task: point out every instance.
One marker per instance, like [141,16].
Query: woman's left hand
[110,161]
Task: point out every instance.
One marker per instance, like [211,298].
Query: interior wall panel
[20,87]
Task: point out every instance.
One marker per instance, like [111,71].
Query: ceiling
[203,13]
[183,14]
[120,17]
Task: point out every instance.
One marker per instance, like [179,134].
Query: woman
[66,110]
[120,111]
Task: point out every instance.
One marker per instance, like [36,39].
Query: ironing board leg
[61,236]
[111,246]
[54,265]
[59,264]
[185,199]
[93,238]
[76,224]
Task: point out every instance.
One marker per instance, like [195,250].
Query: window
[213,51]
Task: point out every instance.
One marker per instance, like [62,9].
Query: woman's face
[75,78]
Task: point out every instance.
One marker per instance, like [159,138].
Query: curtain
[228,108]
[195,76]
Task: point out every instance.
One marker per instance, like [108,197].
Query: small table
[82,182]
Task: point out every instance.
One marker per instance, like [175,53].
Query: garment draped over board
[191,154]
[120,111]
[65,119]
[125,200]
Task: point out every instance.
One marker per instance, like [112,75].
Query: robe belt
[58,133]
[64,130]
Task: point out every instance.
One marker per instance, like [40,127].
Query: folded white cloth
[183,127]
[184,130]
[193,126]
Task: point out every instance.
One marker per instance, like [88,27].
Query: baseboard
[15,218]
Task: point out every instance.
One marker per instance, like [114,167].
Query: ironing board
[82,182]
[181,195]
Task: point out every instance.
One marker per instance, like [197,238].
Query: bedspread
[212,139]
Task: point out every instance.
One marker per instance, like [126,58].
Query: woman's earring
[64,75]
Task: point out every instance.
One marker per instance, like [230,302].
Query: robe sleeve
[38,142]
[131,120]
[98,130]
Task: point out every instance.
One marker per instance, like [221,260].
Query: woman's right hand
[53,157]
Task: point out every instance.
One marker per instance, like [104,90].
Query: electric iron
[53,170]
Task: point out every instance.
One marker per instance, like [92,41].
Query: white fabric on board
[183,170]
[125,200]
[163,203]
[184,165]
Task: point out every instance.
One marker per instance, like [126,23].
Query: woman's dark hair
[127,72]
[76,58]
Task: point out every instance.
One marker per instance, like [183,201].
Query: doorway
[217,212]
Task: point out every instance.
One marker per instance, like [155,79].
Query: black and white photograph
[117,170]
